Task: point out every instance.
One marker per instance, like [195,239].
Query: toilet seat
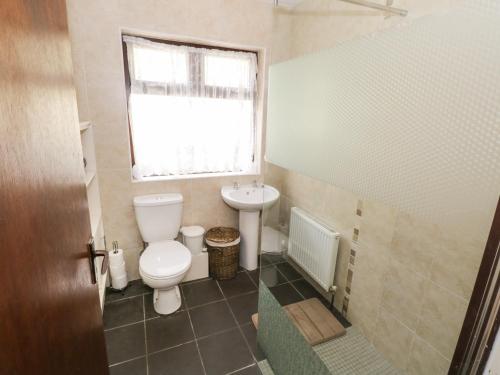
[165,259]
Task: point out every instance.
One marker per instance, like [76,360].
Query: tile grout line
[288,281]
[172,347]
[251,279]
[187,309]
[243,368]
[145,333]
[178,311]
[126,298]
[123,326]
[238,325]
[194,336]
[127,361]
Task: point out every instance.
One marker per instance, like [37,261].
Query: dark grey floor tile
[266,259]
[135,288]
[202,292]
[125,343]
[224,352]
[288,271]
[239,285]
[285,294]
[254,275]
[181,360]
[252,370]
[211,318]
[251,336]
[135,367]
[307,290]
[244,306]
[168,331]
[123,312]
[150,310]
[272,277]
[345,323]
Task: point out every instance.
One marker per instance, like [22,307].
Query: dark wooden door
[50,317]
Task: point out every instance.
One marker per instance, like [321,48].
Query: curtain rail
[369,4]
[385,8]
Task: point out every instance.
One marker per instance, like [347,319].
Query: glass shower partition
[391,140]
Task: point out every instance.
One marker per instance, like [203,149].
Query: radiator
[313,247]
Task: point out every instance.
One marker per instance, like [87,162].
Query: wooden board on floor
[313,320]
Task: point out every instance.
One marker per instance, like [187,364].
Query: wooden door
[50,317]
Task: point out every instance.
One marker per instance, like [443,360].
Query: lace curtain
[191,109]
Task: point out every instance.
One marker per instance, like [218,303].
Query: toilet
[164,262]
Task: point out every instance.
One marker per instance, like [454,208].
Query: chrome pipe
[385,8]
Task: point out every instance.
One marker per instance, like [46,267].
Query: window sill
[195,176]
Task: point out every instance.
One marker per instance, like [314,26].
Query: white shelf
[95,224]
[89,177]
[94,200]
[102,288]
[84,125]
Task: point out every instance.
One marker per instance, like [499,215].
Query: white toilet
[164,262]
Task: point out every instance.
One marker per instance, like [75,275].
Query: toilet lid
[165,259]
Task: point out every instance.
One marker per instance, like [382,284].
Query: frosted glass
[409,116]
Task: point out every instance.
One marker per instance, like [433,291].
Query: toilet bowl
[164,262]
[162,266]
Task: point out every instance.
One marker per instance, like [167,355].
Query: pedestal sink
[249,200]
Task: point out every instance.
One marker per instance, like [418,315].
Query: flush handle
[93,254]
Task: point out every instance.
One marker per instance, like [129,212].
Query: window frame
[191,74]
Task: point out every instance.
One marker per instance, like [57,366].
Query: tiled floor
[287,285]
[211,334]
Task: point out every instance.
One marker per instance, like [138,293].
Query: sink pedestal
[249,245]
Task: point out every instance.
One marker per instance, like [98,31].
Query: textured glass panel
[409,116]
[285,347]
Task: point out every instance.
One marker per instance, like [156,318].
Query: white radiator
[313,247]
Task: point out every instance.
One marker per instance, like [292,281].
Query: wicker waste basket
[223,246]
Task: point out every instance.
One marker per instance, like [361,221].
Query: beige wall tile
[131,257]
[120,225]
[416,243]
[372,261]
[366,293]
[363,313]
[273,175]
[403,294]
[392,339]
[342,264]
[285,206]
[425,360]
[340,208]
[441,319]
[456,267]
[376,224]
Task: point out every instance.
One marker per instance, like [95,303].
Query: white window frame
[257,141]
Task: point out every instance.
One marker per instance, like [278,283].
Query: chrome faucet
[236,186]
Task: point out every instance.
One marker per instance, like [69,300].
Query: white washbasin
[250,197]
[249,200]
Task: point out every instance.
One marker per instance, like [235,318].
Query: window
[191,109]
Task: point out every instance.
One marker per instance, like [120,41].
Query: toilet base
[167,301]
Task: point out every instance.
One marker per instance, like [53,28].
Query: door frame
[482,319]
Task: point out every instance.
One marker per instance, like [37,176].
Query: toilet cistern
[249,200]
